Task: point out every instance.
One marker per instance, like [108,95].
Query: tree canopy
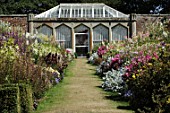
[125,6]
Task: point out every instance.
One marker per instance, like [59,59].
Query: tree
[125,6]
[145,6]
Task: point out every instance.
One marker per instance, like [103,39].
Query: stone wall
[16,20]
[142,20]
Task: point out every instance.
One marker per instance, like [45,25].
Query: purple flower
[57,80]
[128,93]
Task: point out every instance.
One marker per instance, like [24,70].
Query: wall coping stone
[153,15]
[13,15]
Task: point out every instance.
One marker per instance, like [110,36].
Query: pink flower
[67,51]
[141,53]
[148,57]
[139,59]
[115,59]
[127,74]
[117,56]
[101,50]
[128,68]
[155,55]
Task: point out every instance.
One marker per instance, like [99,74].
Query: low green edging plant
[9,100]
[16,98]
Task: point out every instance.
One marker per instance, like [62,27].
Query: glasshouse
[83,26]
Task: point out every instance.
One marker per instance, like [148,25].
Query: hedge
[16,98]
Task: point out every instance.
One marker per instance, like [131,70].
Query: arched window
[119,32]
[63,36]
[100,33]
[46,30]
[82,29]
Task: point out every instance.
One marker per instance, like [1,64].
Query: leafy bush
[151,88]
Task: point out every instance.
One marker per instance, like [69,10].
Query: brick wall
[144,19]
[16,20]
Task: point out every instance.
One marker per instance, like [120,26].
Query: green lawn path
[78,93]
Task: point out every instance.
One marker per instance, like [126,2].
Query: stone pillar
[54,32]
[91,39]
[73,40]
[110,33]
[30,23]
[132,25]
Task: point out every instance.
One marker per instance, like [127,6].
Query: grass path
[80,93]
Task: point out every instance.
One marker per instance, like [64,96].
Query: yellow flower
[168,101]
[144,67]
[133,76]
[149,64]
[139,70]
[137,75]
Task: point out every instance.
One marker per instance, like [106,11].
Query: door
[82,44]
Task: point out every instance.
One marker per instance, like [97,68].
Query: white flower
[165,34]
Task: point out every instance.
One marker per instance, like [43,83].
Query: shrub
[16,98]
[151,88]
[9,100]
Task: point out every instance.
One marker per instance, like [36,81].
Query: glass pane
[84,12]
[81,40]
[100,33]
[45,30]
[87,11]
[97,43]
[79,13]
[65,44]
[119,32]
[76,12]
[63,36]
[101,11]
[82,29]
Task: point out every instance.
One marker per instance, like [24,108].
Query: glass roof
[81,10]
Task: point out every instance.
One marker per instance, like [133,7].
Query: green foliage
[126,6]
[151,89]
[8,55]
[26,98]
[16,98]
[9,100]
